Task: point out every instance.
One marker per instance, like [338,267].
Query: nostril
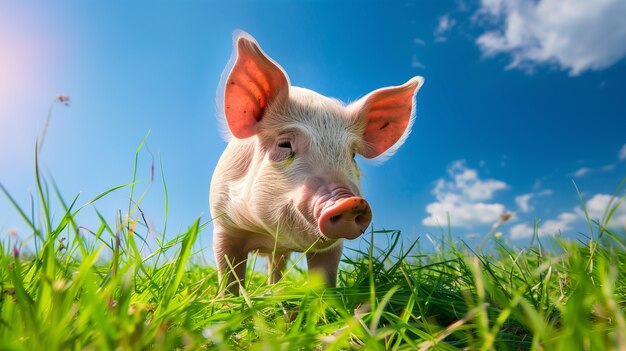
[362,222]
[359,219]
[335,219]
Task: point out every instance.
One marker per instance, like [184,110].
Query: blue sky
[522,99]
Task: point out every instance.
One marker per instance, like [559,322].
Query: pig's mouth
[341,215]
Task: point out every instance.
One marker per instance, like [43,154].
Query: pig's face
[296,171]
[307,145]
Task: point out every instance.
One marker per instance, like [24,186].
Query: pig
[288,180]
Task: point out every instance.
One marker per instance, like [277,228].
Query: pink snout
[347,218]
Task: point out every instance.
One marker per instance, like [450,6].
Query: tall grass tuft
[97,289]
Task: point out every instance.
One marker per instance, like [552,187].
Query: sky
[522,111]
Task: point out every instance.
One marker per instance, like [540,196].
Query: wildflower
[16,252]
[208,333]
[12,232]
[131,229]
[8,292]
[61,244]
[64,99]
[58,285]
[498,235]
[505,216]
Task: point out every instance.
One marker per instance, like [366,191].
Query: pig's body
[287,180]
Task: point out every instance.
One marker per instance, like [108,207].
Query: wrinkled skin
[288,180]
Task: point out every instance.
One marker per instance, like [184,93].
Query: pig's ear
[389,113]
[254,82]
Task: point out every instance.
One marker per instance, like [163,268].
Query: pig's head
[303,177]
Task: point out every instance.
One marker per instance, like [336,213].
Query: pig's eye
[286,144]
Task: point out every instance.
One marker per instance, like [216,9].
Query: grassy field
[100,290]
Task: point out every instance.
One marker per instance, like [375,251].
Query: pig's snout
[347,218]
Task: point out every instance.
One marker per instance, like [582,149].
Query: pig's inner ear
[253,83]
[389,113]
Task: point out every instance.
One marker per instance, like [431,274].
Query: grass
[99,289]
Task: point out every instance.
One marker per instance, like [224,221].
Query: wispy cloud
[416,64]
[576,35]
[584,171]
[466,198]
[419,41]
[445,25]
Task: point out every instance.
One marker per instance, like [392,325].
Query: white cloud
[576,35]
[462,214]
[523,201]
[521,231]
[564,222]
[596,207]
[465,197]
[468,183]
[446,23]
[622,153]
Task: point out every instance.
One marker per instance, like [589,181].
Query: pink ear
[389,112]
[253,82]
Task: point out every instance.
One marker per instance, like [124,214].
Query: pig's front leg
[326,263]
[231,259]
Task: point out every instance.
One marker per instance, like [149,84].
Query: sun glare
[22,61]
[27,58]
